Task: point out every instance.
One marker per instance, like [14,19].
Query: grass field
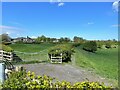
[31,48]
[32,52]
[104,61]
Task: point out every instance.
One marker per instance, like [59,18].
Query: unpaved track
[64,72]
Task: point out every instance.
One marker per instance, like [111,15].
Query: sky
[90,20]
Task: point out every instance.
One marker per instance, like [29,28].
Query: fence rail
[6,55]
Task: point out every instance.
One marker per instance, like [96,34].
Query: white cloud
[116,6]
[90,23]
[8,33]
[115,25]
[60,4]
[9,30]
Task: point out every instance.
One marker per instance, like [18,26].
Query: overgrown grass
[104,61]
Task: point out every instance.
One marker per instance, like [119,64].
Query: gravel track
[65,72]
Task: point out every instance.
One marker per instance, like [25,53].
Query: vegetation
[23,80]
[64,49]
[5,38]
[104,61]
[90,46]
[78,40]
[31,48]
[108,45]
[6,48]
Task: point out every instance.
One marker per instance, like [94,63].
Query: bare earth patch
[64,72]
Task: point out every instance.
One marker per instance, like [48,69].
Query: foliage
[5,38]
[78,40]
[108,45]
[76,44]
[99,45]
[6,48]
[90,46]
[65,49]
[23,80]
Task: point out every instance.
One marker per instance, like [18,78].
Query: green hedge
[23,80]
[90,46]
[65,49]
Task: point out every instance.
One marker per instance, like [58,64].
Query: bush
[76,44]
[22,80]
[65,49]
[99,45]
[90,46]
[108,45]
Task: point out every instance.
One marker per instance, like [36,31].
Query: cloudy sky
[93,20]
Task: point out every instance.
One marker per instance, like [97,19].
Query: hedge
[65,49]
[28,80]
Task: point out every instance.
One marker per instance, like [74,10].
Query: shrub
[65,49]
[90,46]
[76,44]
[22,80]
[108,45]
[99,45]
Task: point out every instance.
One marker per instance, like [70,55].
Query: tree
[108,45]
[5,38]
[78,39]
[90,46]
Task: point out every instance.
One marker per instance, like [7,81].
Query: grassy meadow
[32,52]
[31,48]
[104,62]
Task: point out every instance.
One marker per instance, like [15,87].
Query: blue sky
[88,20]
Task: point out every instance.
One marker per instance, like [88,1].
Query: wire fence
[36,56]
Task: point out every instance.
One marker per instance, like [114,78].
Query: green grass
[31,48]
[32,52]
[104,62]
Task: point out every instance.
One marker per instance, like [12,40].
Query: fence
[28,56]
[2,72]
[57,59]
[6,55]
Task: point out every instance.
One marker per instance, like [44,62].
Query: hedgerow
[64,49]
[28,80]
[90,46]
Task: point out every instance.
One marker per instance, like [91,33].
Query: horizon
[90,20]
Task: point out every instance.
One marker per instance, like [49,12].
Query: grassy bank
[32,52]
[104,61]
[31,47]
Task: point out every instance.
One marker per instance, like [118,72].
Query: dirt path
[64,72]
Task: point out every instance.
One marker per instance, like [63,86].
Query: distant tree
[66,39]
[99,44]
[5,38]
[78,39]
[61,39]
[90,46]
[108,45]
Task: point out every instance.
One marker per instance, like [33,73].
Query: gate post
[2,72]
